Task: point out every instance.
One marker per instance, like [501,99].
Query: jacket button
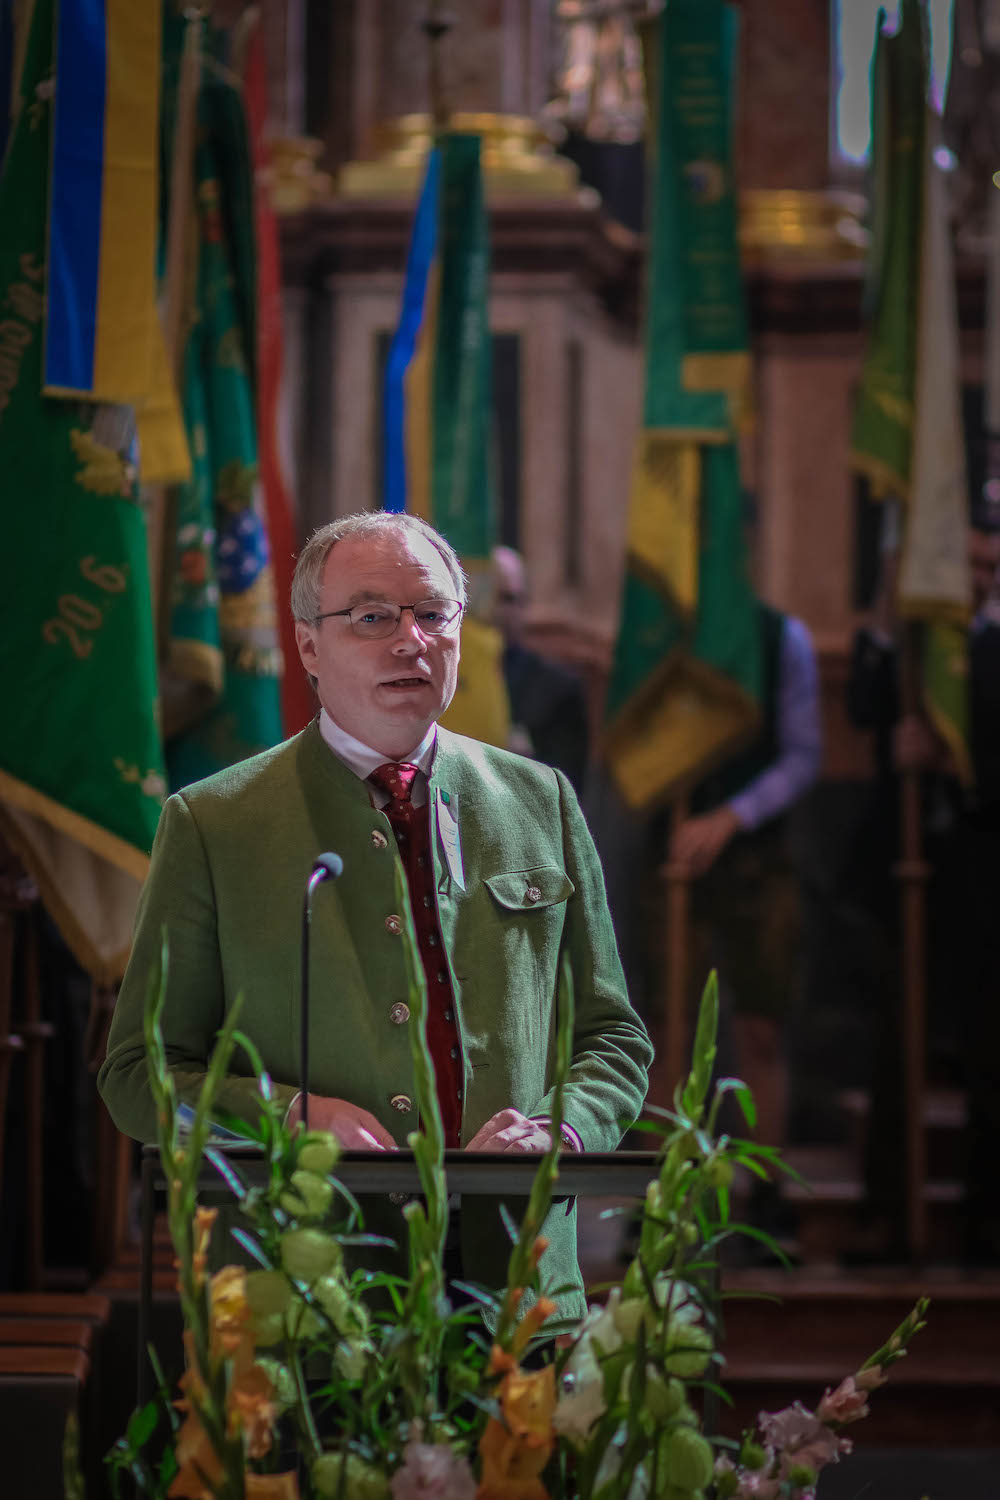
[454,1052]
[532,894]
[393,925]
[379,840]
[402,1102]
[400,1198]
[399,1013]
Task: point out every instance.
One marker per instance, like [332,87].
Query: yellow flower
[531,1322]
[252,1410]
[230,1311]
[204,1218]
[514,1452]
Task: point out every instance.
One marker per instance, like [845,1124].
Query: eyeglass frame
[333,614]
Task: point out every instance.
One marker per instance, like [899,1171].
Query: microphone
[326,867]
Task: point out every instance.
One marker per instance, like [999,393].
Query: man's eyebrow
[368,596]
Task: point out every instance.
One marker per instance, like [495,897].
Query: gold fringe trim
[884,480]
[106,971]
[641,745]
[196,662]
[98,840]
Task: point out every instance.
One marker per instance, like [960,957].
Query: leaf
[478,1294]
[252,1247]
[142,1424]
[228,1174]
[513,1231]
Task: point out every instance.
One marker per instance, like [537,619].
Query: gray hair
[366,523]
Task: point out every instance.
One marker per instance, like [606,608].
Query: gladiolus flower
[531,1323]
[252,1410]
[204,1218]
[846,1404]
[230,1311]
[432,1471]
[515,1451]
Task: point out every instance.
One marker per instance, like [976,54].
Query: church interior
[850,916]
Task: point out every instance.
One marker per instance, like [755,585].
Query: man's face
[509,593]
[387,692]
[984,559]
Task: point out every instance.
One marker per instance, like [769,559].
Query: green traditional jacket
[230,863]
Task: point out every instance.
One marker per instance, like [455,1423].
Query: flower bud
[307,1254]
[361,1481]
[629,1314]
[319,1153]
[311,1197]
[686,1459]
[753,1456]
[689,1350]
[664,1398]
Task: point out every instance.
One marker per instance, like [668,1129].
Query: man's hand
[509,1130]
[915,746]
[698,842]
[354,1127]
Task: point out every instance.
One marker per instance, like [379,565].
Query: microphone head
[328,866]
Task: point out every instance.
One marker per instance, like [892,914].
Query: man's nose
[408,633]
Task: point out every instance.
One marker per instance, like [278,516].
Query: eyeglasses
[373,622]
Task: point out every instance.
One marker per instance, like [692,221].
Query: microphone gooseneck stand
[326,867]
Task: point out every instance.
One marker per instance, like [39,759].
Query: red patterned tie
[411,826]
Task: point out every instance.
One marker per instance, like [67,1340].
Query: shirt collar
[362,759]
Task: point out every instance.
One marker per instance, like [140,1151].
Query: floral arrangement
[305,1378]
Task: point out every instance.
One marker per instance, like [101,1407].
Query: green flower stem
[894,1347]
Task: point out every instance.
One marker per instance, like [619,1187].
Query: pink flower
[846,1404]
[432,1471]
[757,1486]
[788,1428]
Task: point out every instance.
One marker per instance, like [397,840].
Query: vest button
[379,840]
[393,925]
[402,1102]
[400,1198]
[532,894]
[399,1013]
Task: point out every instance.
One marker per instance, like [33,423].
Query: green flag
[81,769]
[908,436]
[223,670]
[685,680]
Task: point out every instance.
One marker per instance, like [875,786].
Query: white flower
[581,1400]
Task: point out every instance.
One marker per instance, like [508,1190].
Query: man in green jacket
[497,844]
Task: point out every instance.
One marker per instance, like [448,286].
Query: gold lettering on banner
[76,614]
[20,312]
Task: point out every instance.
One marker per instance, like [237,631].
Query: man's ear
[305,639]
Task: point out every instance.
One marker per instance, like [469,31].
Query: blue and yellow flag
[438,409]
[103,339]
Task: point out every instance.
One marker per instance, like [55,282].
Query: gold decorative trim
[98,840]
[106,971]
[517,158]
[781,223]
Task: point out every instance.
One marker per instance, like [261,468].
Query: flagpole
[163,500]
[436,26]
[912,872]
[678,878]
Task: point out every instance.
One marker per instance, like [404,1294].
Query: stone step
[946,1392]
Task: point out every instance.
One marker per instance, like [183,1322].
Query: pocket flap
[530,890]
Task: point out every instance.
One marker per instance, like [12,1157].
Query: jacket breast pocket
[528,914]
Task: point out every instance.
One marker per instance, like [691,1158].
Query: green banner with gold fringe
[686,674]
[81,765]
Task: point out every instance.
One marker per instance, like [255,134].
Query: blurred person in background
[961,830]
[747,915]
[548,705]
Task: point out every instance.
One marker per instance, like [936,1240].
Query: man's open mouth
[407,682]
